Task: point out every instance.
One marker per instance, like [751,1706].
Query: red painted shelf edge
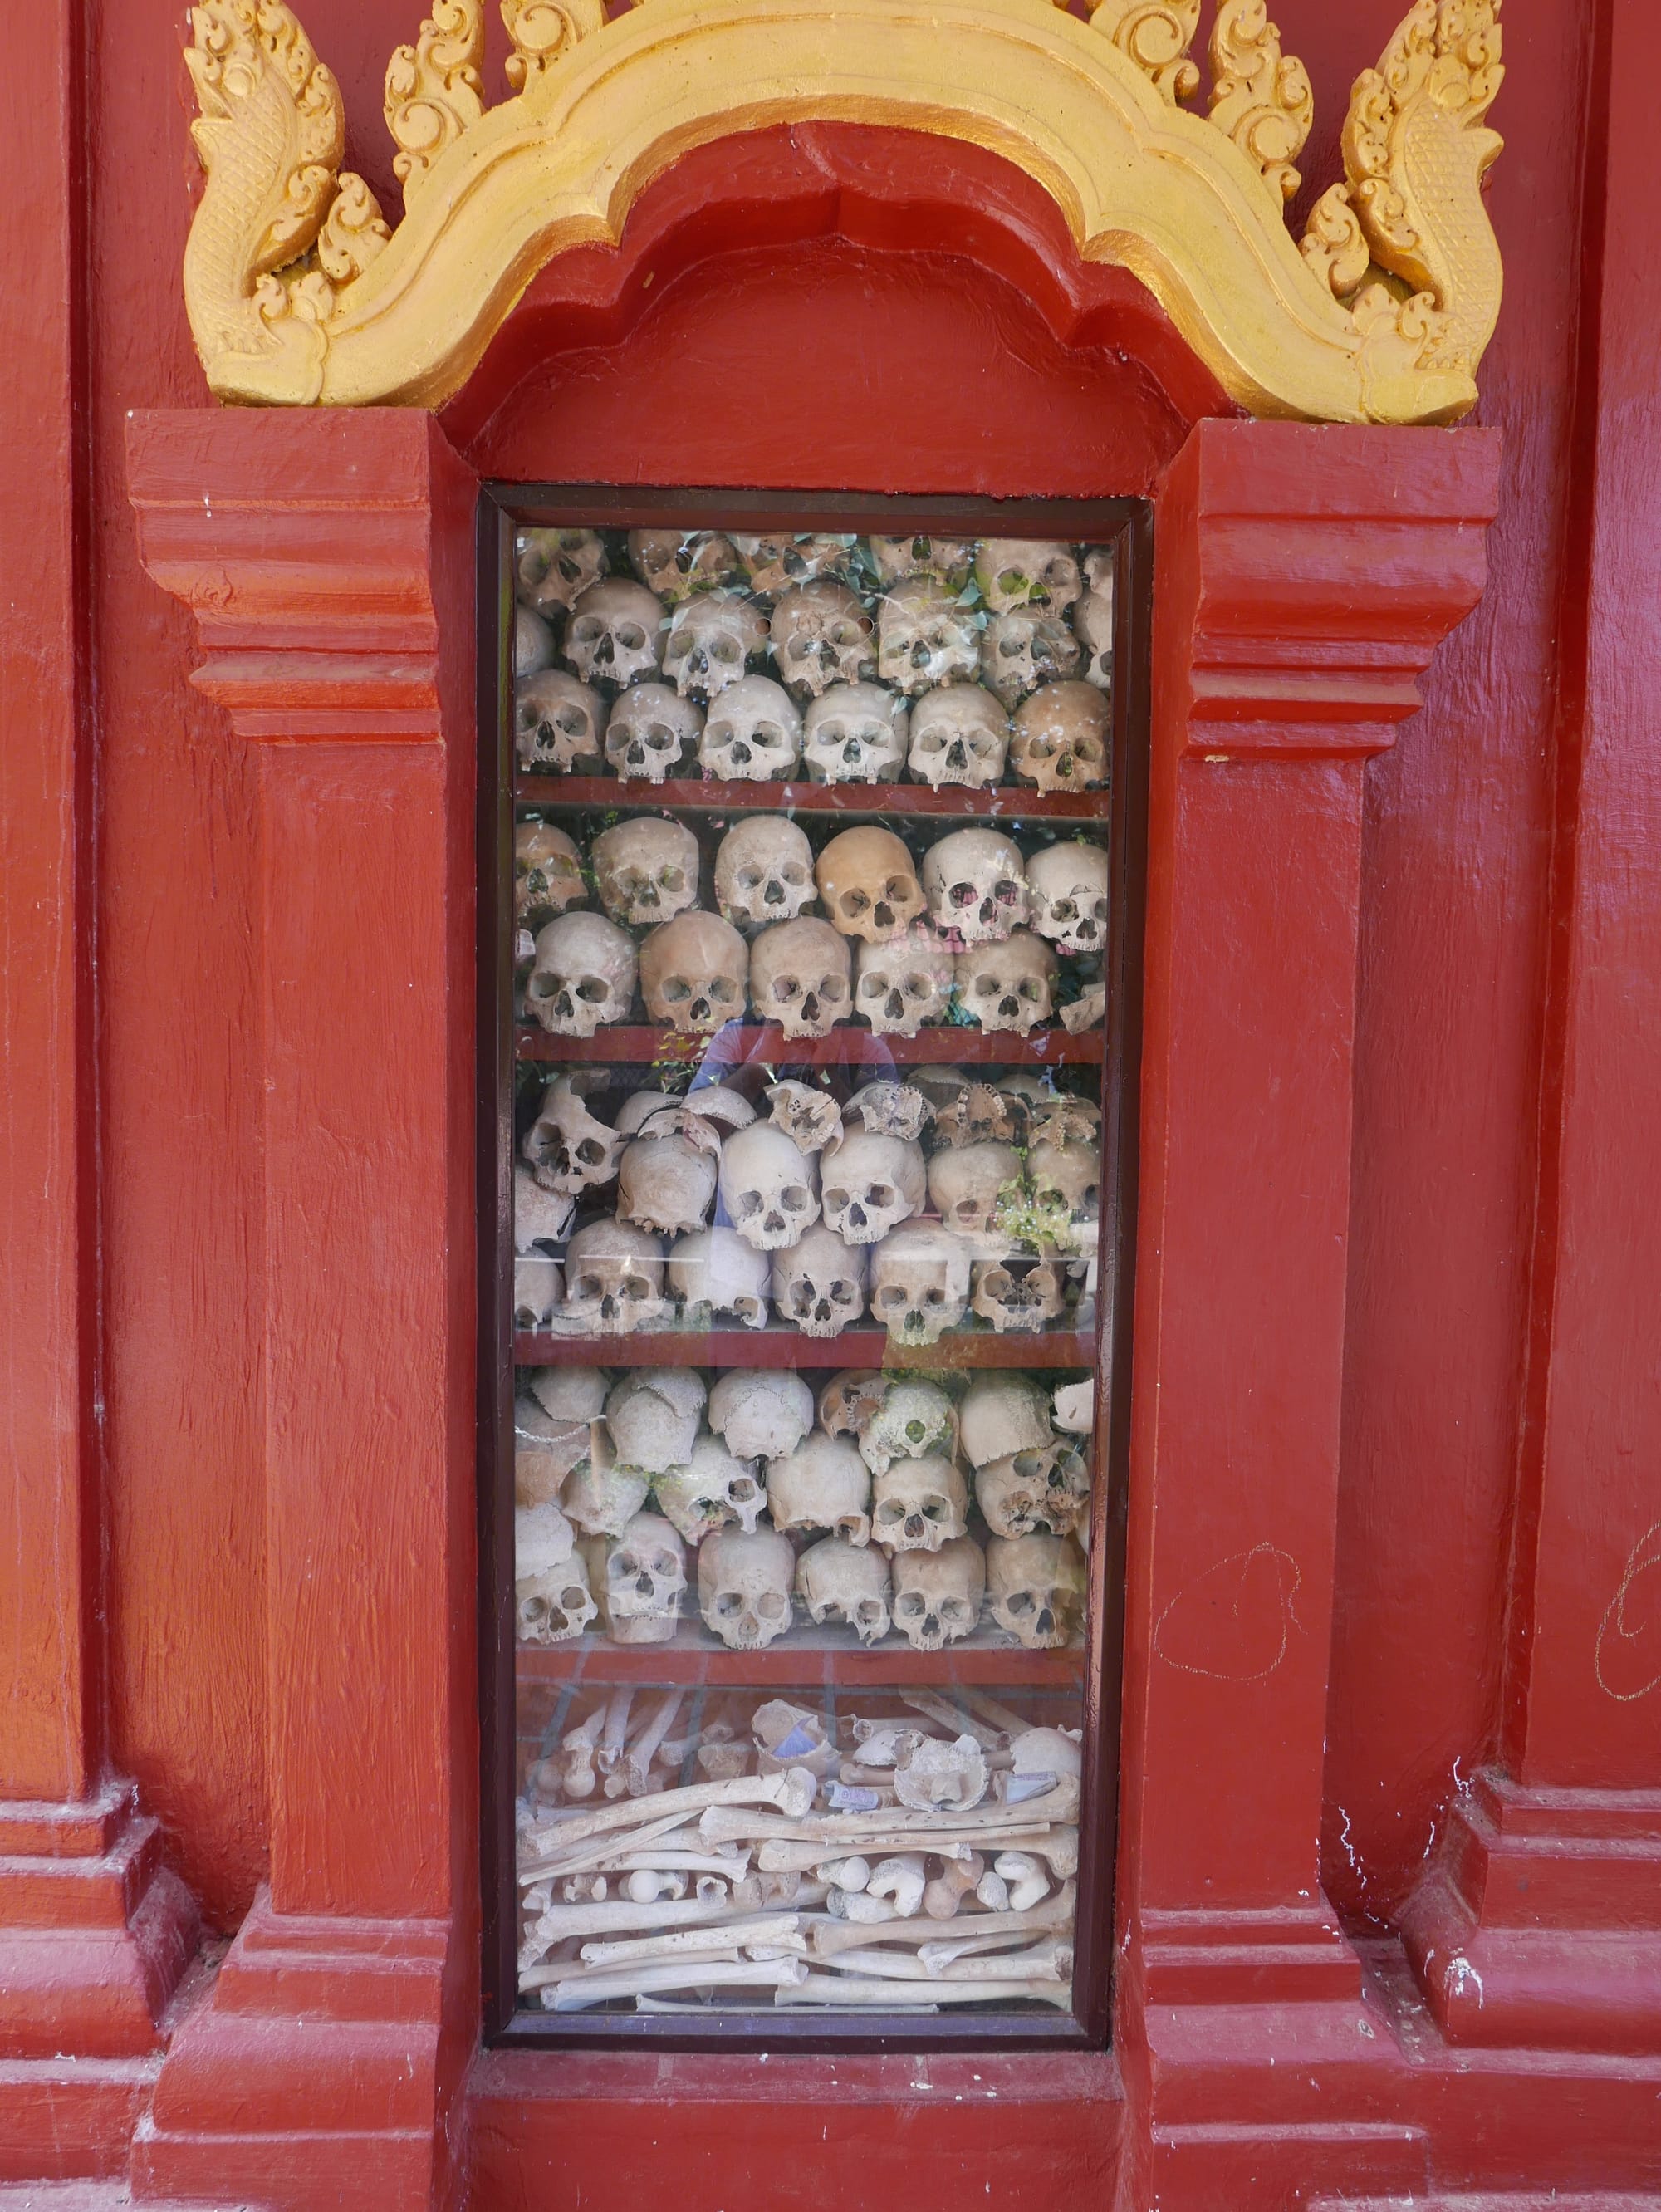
[770,1348]
[643,1043]
[998,802]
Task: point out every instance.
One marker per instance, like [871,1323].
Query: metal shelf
[868,1348]
[845,1047]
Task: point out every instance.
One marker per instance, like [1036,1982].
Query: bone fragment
[583,1857]
[860,1909]
[730,1864]
[779,1930]
[1028,1882]
[827,1937]
[944,1894]
[641,1753]
[995,1716]
[880,1778]
[578,1777]
[901,1880]
[952,1718]
[722,1762]
[575,1993]
[710,1889]
[647,1883]
[1049,1961]
[993,1892]
[849,1989]
[792,1793]
[614,1732]
[583,1889]
[850,1874]
[620,1917]
[724,1824]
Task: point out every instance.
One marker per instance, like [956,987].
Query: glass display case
[808,841]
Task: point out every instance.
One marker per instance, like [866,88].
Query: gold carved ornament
[300,293]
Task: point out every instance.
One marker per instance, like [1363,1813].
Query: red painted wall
[760,383]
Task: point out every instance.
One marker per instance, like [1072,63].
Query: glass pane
[812,909]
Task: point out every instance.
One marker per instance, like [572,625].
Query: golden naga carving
[300,293]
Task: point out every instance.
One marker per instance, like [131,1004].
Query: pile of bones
[757,660]
[980,932]
[923,1203]
[931,1859]
[893,1504]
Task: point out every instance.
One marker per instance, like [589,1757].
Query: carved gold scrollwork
[1259,96]
[543,30]
[432,89]
[1156,35]
[354,231]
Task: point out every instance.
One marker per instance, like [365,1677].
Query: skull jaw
[749,1632]
[642,1627]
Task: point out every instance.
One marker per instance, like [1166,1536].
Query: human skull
[1061,1117]
[919,1283]
[823,1484]
[614,633]
[776,562]
[918,1504]
[541,1219]
[959,735]
[848,1401]
[937,1595]
[1075,1407]
[800,977]
[547,872]
[1065,1178]
[713,1490]
[712,640]
[713,1272]
[763,872]
[946,560]
[551,567]
[1027,572]
[533,643]
[557,724]
[651,730]
[1031,1493]
[554,1605]
[870,1185]
[554,1429]
[905,983]
[915,1419]
[889,1110]
[965,1182]
[1093,625]
[975,883]
[1018,1295]
[645,870]
[675,563]
[820,1284]
[692,971]
[1021,650]
[645,1578]
[973,1114]
[761,1412]
[568,1149]
[1038,1586]
[652,1415]
[925,638]
[538,1291]
[744,1586]
[583,974]
[936,1775]
[854,733]
[1069,884]
[769,1186]
[808,1117]
[753,733]
[666,1175]
[602,1498]
[868,881]
[614,1279]
[838,1581]
[1002,1413]
[1059,741]
[1009,985]
[1087,1011]
[821,635]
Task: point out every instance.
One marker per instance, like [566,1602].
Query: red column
[1303,578]
[94,1932]
[328,559]
[1541,1921]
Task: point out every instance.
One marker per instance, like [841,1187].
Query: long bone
[684,1862]
[790,1792]
[995,1716]
[596,1853]
[724,1824]
[575,1993]
[647,1883]
[1049,1961]
[779,1928]
[849,1990]
[561,1921]
[641,1753]
[612,1736]
[944,1895]
[953,1717]
[780,1854]
[829,1937]
[1028,1883]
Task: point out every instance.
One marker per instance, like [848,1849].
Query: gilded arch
[300,293]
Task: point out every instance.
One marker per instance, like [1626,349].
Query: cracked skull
[821,635]
[583,974]
[763,872]
[645,1578]
[568,1148]
[613,1279]
[774,564]
[551,567]
[820,1284]
[769,1187]
[919,1283]
[855,733]
[915,1421]
[838,1581]
[823,1484]
[965,1181]
[1069,884]
[666,1176]
[868,881]
[554,1605]
[948,561]
[675,563]
[1027,572]
[1000,1414]
[1035,1492]
[1059,741]
[547,872]
[752,733]
[557,724]
[645,870]
[744,1586]
[762,1413]
[959,735]
[651,730]
[1009,985]
[1017,1294]
[1065,1178]
[937,1595]
[693,972]
[1021,650]
[975,883]
[713,1272]
[800,977]
[1037,1585]
[712,638]
[1093,624]
[923,638]
[614,636]
[870,1185]
[652,1415]
[905,983]
[713,1490]
[918,1504]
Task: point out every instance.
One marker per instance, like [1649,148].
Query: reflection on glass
[811,895]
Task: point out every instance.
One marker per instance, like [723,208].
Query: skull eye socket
[784,989]
[1011,649]
[728,1604]
[1062,909]
[543,985]
[659,736]
[767,733]
[725,649]
[832,989]
[771,1604]
[794,874]
[880,1195]
[836,1200]
[749,1202]
[967,1209]
[585,630]
[720,990]
[918,987]
[1031,989]
[1006,893]
[589,1286]
[677,990]
[590,1153]
[888,1299]
[793,1198]
[631,636]
[1011,583]
[635,1286]
[672,879]
[897,891]
[572,721]
[748,879]
[871,985]
[986,987]
[853,903]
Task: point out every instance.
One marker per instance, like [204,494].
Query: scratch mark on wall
[1625,1627]
[1235,1622]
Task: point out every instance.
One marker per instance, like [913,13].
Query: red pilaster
[94,1933]
[328,561]
[1541,1920]
[1303,578]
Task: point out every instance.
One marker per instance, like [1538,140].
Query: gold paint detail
[543,30]
[300,293]
[1156,35]
[1259,96]
[433,89]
